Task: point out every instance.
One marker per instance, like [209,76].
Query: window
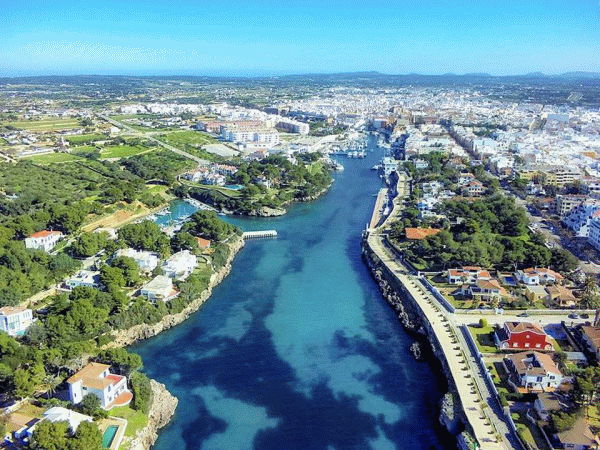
[515,344]
[538,379]
[526,344]
[537,345]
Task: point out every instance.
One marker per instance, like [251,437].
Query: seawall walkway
[486,421]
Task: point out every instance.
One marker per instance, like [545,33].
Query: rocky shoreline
[162,410]
[136,333]
[163,402]
[451,416]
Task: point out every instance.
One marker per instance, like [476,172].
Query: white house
[160,288]
[96,379]
[534,371]
[538,275]
[43,240]
[180,265]
[147,261]
[15,320]
[55,414]
[87,278]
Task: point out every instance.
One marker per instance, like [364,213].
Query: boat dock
[259,234]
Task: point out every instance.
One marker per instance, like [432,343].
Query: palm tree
[49,385]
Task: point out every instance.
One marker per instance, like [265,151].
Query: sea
[296,348]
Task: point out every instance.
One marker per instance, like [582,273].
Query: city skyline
[252,39]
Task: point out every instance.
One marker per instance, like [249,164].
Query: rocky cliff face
[162,409]
[145,331]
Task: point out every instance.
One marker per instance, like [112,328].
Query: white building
[533,370]
[87,278]
[44,240]
[15,320]
[389,165]
[180,265]
[594,234]
[580,218]
[96,379]
[160,288]
[293,126]
[147,261]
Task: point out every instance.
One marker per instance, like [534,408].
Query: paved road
[493,319]
[201,162]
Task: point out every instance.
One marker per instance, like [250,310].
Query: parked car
[524,314]
[573,316]
[585,316]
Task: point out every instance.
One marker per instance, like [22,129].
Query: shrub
[142,392]
[483,323]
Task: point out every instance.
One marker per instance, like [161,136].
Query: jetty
[259,234]
[483,416]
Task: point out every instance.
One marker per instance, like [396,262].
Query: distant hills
[375,74]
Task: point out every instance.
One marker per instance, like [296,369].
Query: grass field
[484,339]
[193,138]
[135,422]
[223,190]
[122,151]
[50,158]
[51,124]
[77,139]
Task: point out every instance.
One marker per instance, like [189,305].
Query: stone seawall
[410,316]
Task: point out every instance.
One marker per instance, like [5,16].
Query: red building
[522,336]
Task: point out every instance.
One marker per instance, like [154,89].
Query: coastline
[164,403]
[142,331]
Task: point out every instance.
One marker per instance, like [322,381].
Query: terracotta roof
[517,327]
[203,243]
[45,233]
[533,363]
[10,310]
[90,374]
[593,334]
[580,434]
[420,233]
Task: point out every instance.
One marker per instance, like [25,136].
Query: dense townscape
[491,205]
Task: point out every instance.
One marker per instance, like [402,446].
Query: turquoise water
[297,349]
[109,435]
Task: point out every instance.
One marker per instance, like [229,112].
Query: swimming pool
[109,435]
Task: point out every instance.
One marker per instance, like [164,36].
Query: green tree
[86,437]
[129,269]
[112,277]
[142,392]
[90,405]
[51,436]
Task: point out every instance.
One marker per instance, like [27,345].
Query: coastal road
[499,319]
[201,162]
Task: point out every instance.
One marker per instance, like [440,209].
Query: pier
[259,234]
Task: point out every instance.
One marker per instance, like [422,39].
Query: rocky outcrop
[450,413]
[266,211]
[145,331]
[162,409]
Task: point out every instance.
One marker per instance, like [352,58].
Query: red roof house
[522,336]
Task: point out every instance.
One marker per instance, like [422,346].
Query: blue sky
[278,37]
